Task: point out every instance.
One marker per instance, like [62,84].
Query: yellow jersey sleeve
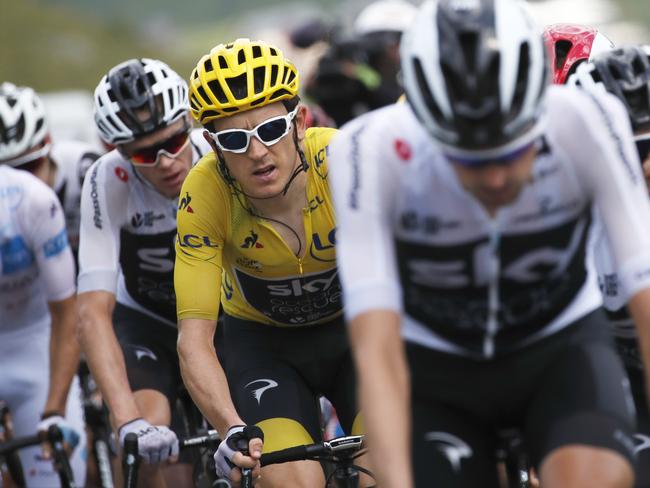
[200,241]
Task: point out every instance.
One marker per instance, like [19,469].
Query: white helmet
[22,124]
[133,87]
[475,73]
[385,16]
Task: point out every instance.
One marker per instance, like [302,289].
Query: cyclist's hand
[71,437]
[156,443]
[229,457]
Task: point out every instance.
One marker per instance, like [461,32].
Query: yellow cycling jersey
[225,253]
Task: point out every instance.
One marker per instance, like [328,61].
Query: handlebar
[342,447]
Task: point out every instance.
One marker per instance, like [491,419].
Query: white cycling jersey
[72,159]
[36,267]
[127,235]
[36,264]
[411,239]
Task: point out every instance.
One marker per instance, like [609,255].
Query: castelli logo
[403,150]
[121,174]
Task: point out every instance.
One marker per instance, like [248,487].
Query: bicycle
[54,438]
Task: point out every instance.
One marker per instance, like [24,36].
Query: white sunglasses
[268,133]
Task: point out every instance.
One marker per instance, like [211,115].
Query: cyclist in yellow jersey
[257,233]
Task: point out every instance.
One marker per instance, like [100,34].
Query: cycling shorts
[569,388]
[149,348]
[277,374]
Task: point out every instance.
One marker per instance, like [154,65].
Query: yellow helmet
[240,76]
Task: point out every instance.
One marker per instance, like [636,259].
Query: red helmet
[571,44]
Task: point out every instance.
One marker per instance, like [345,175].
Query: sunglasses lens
[145,156]
[233,141]
[149,155]
[272,130]
[175,143]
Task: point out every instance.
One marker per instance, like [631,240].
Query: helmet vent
[425,91]
[258,74]
[468,43]
[273,51]
[290,76]
[241,56]
[522,79]
[11,101]
[216,89]
[562,49]
[208,65]
[39,124]
[274,74]
[222,63]
[279,93]
[257,51]
[237,86]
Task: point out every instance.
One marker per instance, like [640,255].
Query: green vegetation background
[68,44]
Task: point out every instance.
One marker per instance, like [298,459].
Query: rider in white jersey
[60,164]
[625,73]
[126,257]
[463,219]
[38,353]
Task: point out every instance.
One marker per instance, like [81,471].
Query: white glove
[70,436]
[156,443]
[236,440]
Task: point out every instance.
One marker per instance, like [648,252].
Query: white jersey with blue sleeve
[36,263]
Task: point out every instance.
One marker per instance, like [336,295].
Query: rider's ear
[301,122]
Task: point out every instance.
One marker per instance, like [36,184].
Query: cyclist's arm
[383,391]
[57,273]
[103,209]
[104,355]
[197,283]
[64,352]
[203,375]
[363,182]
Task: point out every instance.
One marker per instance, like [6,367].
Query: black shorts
[277,374]
[569,388]
[149,348]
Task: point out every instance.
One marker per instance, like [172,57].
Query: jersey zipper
[494,266]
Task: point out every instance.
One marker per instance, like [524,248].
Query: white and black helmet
[475,73]
[134,87]
[22,123]
[624,72]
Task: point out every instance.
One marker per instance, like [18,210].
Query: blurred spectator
[359,72]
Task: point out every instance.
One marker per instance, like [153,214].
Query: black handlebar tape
[297,453]
[130,460]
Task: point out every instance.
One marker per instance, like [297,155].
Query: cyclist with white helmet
[60,164]
[464,217]
[259,240]
[625,73]
[360,73]
[126,256]
[570,45]
[38,351]
[38,315]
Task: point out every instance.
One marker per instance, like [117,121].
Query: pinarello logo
[122,174]
[403,150]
